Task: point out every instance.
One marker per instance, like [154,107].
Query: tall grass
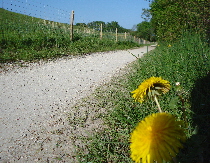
[28,38]
[185,61]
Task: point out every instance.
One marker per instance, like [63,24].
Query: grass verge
[25,38]
[185,61]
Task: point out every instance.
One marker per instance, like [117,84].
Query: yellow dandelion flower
[158,137]
[149,87]
[169,45]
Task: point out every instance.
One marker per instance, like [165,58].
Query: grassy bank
[186,61]
[27,38]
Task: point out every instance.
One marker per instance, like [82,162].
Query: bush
[169,18]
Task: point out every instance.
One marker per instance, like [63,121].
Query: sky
[126,12]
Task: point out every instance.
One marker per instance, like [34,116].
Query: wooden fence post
[72,25]
[125,35]
[101,33]
[116,34]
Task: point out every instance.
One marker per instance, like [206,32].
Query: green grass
[27,38]
[186,61]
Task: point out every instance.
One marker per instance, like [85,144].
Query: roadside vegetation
[185,61]
[27,38]
[181,57]
[166,20]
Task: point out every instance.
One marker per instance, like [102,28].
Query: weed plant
[27,38]
[186,65]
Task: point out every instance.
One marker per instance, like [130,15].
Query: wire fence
[46,23]
[37,10]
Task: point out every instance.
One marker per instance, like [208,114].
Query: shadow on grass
[197,148]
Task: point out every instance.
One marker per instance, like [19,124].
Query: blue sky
[126,12]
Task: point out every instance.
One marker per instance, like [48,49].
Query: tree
[81,24]
[96,25]
[145,31]
[170,18]
[111,27]
[146,15]
[134,28]
[108,27]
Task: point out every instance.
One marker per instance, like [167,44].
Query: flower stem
[158,105]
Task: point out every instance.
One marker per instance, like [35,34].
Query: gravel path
[34,101]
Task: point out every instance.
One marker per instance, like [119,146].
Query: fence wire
[39,26]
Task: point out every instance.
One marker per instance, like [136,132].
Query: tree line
[107,27]
[166,20]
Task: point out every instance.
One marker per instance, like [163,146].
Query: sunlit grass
[185,62]
[28,39]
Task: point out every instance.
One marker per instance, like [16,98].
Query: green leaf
[174,102]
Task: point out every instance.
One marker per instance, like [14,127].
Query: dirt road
[34,101]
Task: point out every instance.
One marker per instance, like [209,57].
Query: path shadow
[197,148]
